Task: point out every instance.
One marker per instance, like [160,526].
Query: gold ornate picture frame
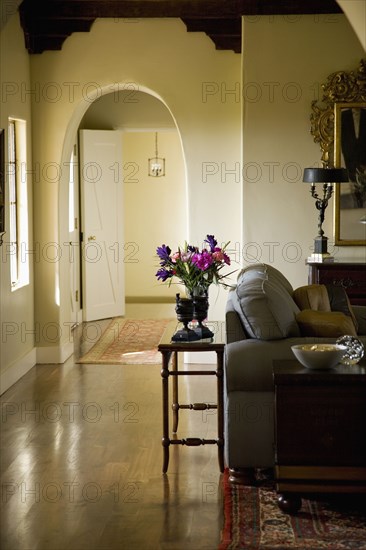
[338,124]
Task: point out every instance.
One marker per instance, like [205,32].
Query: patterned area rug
[252,520]
[128,342]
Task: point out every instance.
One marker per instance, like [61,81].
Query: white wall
[17,352]
[113,55]
[155,209]
[355,11]
[281,79]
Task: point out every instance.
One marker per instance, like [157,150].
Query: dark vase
[185,309]
[200,312]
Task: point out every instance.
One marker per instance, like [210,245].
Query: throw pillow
[313,297]
[339,301]
[327,324]
[265,305]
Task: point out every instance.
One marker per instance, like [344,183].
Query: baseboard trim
[18,369]
[54,354]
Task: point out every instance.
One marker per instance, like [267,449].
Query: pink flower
[185,256]
[218,255]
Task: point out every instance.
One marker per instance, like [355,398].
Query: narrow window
[18,207]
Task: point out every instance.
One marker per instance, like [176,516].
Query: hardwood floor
[81,461]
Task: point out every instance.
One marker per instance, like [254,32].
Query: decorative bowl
[318,356]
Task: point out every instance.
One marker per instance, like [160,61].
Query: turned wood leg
[290,503]
[242,476]
[220,408]
[175,405]
[165,399]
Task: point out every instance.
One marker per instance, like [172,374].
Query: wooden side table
[169,351]
[350,275]
[320,426]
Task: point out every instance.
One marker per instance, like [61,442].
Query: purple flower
[163,252]
[202,260]
[212,242]
[191,266]
[163,274]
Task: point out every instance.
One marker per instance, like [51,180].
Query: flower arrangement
[193,267]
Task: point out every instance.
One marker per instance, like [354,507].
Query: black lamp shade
[325,175]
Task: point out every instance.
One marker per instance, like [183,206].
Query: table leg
[220,408]
[175,405]
[165,398]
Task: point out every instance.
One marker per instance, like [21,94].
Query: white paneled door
[101,184]
[74,236]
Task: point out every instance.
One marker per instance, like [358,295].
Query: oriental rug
[128,342]
[252,520]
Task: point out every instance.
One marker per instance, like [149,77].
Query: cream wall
[155,209]
[17,351]
[147,200]
[355,11]
[113,55]
[280,80]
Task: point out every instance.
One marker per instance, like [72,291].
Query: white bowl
[318,356]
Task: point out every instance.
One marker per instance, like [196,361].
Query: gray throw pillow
[265,305]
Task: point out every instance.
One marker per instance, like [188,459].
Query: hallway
[82,456]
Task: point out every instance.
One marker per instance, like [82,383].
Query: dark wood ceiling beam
[225,33]
[214,26]
[174,8]
[58,26]
[47,23]
[38,44]
[226,42]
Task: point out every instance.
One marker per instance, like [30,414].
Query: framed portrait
[350,152]
[338,124]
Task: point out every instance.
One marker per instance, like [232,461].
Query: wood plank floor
[81,461]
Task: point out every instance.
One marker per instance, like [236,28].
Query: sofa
[265,316]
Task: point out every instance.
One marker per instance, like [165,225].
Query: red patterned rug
[128,342]
[252,520]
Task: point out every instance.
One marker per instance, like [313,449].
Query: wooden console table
[351,275]
[169,351]
[320,419]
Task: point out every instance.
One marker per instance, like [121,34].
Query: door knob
[92,238]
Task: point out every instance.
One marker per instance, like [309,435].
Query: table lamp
[328,177]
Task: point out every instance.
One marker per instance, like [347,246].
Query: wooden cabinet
[350,275]
[320,419]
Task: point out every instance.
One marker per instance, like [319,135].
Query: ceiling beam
[47,23]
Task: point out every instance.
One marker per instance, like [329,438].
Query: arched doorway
[148,202]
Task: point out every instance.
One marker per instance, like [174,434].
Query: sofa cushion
[360,315]
[271,272]
[339,301]
[324,298]
[264,303]
[312,297]
[249,363]
[330,324]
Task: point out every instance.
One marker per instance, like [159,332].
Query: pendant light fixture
[156,164]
